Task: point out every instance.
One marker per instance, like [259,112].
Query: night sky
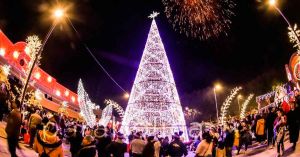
[252,55]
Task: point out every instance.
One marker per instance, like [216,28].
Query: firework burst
[201,19]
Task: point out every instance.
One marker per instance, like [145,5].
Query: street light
[58,14]
[126,95]
[217,87]
[273,4]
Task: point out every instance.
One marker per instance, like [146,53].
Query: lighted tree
[86,105]
[154,104]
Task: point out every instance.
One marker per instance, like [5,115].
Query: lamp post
[217,87]
[58,14]
[273,4]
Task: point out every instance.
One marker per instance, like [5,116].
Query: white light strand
[154,104]
[106,115]
[244,105]
[86,105]
[227,102]
[294,34]
[116,106]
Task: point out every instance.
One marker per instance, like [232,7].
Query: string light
[86,106]
[154,104]
[116,106]
[244,106]
[49,79]
[294,34]
[227,102]
[106,115]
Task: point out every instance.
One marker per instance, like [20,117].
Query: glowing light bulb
[57,92]
[37,75]
[16,54]
[49,79]
[67,93]
[2,52]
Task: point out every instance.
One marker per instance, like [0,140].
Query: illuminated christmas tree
[154,104]
[86,106]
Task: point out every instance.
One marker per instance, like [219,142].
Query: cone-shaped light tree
[154,105]
[86,105]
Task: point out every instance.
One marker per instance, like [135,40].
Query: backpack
[44,154]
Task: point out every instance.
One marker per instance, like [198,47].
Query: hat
[101,127]
[120,135]
[87,140]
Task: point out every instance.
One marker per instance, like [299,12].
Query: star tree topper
[153,15]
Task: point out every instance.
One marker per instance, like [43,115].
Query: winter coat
[177,149]
[270,120]
[116,148]
[34,120]
[75,142]
[149,150]
[14,122]
[204,149]
[229,138]
[87,151]
[102,142]
[236,141]
[293,125]
[49,142]
[260,127]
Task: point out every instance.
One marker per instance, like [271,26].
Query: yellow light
[16,54]
[73,99]
[126,95]
[49,79]
[57,92]
[2,52]
[67,93]
[27,50]
[58,13]
[272,2]
[240,96]
[37,75]
[218,87]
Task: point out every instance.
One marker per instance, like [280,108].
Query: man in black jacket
[103,140]
[293,124]
[177,148]
[270,126]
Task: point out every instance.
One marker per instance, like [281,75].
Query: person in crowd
[215,137]
[88,147]
[149,150]
[270,127]
[181,135]
[260,128]
[34,121]
[157,147]
[279,131]
[117,148]
[236,141]
[204,148]
[164,146]
[62,125]
[177,148]
[12,129]
[75,138]
[229,139]
[103,140]
[245,136]
[47,143]
[137,145]
[293,123]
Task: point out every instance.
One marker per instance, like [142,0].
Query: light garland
[265,96]
[116,106]
[106,115]
[244,105]
[154,104]
[86,105]
[294,34]
[227,102]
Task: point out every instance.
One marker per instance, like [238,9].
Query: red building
[54,94]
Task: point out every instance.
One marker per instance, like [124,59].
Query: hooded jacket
[48,142]
[260,127]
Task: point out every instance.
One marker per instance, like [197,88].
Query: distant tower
[154,104]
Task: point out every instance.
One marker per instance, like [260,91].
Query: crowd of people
[45,133]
